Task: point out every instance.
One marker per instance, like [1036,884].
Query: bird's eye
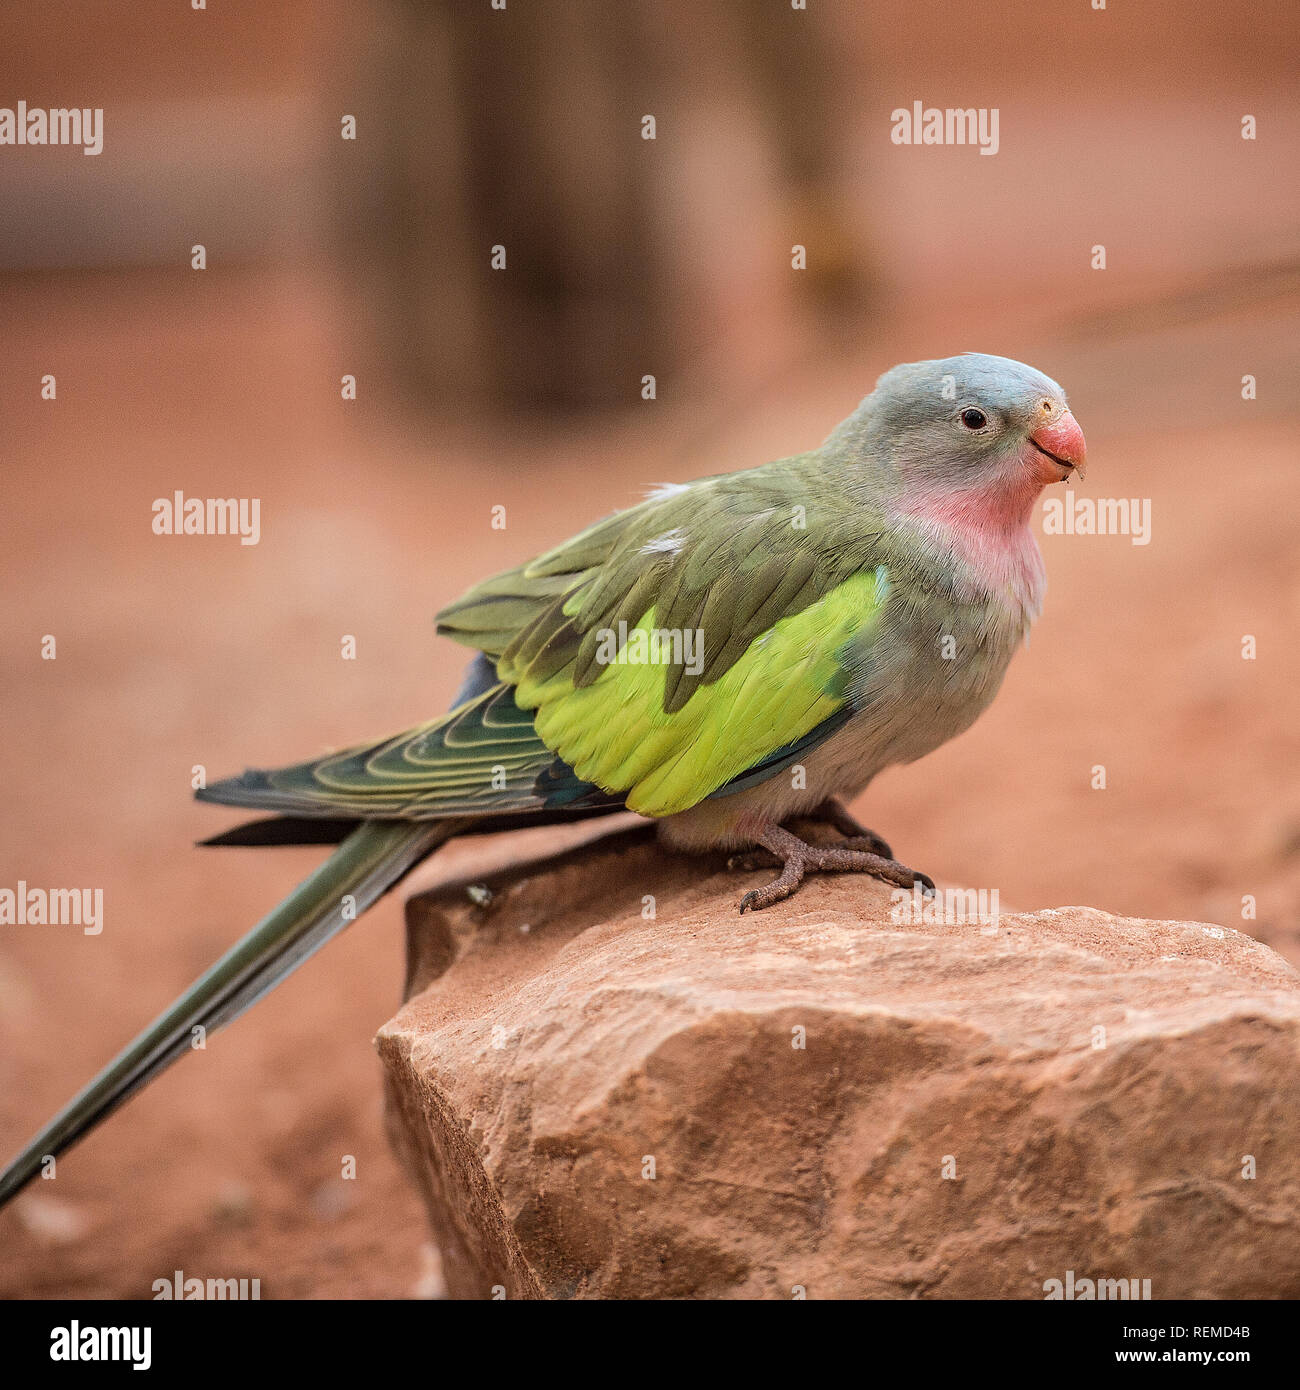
[974,419]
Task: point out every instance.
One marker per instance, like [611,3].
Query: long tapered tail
[363,868]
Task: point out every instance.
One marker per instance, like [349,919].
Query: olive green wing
[672,648]
[688,646]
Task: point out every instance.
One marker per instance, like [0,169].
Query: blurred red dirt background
[174,652]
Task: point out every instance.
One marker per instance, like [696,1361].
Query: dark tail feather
[287,830]
[375,856]
[332,830]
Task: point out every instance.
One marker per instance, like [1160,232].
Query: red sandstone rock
[974,1110]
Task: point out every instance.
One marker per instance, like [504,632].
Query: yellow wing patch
[615,733]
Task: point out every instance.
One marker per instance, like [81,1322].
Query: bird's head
[977,435]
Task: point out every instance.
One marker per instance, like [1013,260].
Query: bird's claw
[797,858]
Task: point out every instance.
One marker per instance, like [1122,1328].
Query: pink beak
[1063,441]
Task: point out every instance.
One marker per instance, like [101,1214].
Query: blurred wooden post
[525,132]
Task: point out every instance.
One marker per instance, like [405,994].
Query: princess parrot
[727,655]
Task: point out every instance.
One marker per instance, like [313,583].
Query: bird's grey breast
[924,672]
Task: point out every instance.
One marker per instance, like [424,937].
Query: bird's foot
[797,858]
[857,835]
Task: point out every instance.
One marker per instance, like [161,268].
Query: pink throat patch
[987,529]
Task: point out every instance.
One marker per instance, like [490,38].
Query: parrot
[726,657]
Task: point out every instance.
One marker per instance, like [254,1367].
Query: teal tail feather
[366,865]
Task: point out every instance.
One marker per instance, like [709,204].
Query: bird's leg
[857,836]
[797,858]
[831,812]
